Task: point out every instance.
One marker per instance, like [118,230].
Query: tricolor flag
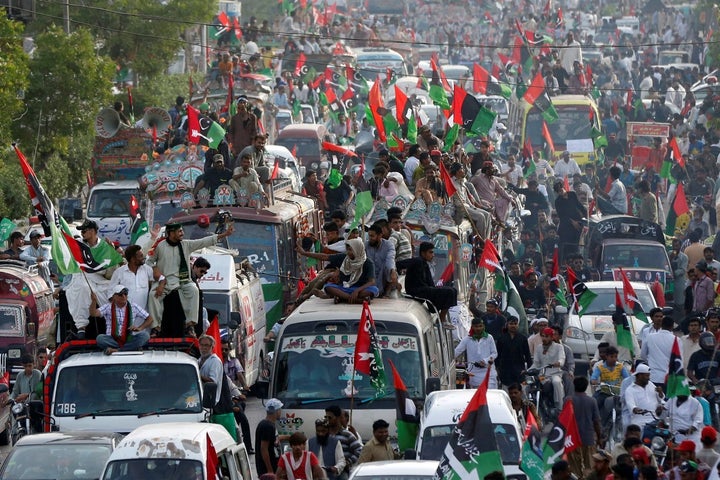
[368,357]
[564,437]
[139,225]
[677,383]
[537,96]
[631,298]
[623,333]
[678,213]
[408,419]
[582,295]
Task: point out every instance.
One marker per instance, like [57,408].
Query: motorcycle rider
[703,364]
[642,397]
[686,415]
[551,355]
[26,388]
[480,350]
[611,373]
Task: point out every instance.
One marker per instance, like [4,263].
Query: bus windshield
[573,124]
[127,389]
[318,368]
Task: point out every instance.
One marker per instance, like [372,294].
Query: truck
[26,314]
[86,390]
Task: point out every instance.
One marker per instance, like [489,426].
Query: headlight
[576,334]
[14,353]
[657,443]
[18,408]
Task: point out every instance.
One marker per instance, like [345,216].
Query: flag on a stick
[368,357]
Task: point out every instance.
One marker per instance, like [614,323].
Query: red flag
[449,186]
[134,207]
[214,331]
[566,183]
[680,205]
[505,61]
[193,125]
[481,77]
[517,50]
[459,95]
[530,423]
[236,28]
[535,90]
[448,273]
[375,101]
[363,357]
[527,150]
[548,138]
[331,147]
[212,469]
[299,63]
[567,420]
[275,170]
[294,152]
[312,273]
[490,258]
[224,20]
[546,9]
[300,287]
[496,70]
[675,149]
[659,293]
[89,179]
[556,264]
[401,105]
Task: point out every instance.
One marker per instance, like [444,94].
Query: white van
[313,361]
[109,205]
[441,413]
[177,450]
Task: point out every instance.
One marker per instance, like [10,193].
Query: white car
[583,334]
[395,470]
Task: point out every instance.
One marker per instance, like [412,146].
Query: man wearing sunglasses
[126,323]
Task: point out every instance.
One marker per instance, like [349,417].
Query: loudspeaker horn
[107,123]
[158,118]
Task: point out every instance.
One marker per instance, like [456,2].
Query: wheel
[17,435]
[5,435]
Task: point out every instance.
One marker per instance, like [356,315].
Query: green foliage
[14,200]
[136,34]
[14,72]
[158,91]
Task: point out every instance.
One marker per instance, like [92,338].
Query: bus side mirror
[235,320]
[432,384]
[209,392]
[410,454]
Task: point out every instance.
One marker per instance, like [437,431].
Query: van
[314,357]
[306,139]
[374,61]
[178,450]
[109,206]
[441,413]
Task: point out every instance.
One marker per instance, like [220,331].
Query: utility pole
[66,16]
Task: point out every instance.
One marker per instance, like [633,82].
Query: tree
[69,84]
[136,34]
[14,72]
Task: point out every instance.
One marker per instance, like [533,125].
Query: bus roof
[383,309]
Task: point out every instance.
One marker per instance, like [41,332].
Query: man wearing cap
[601,466]
[37,254]
[513,353]
[126,323]
[267,440]
[551,356]
[480,351]
[708,438]
[689,467]
[245,177]
[537,325]
[135,275]
[218,175]
[425,136]
[642,397]
[171,264]
[242,127]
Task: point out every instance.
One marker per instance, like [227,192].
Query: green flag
[6,228]
[531,168]
[296,108]
[483,121]
[439,96]
[451,136]
[412,129]
[369,115]
[334,179]
[561,294]
[677,383]
[391,124]
[363,205]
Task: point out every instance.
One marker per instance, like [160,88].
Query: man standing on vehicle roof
[256,152]
[171,263]
[136,275]
[126,323]
[243,126]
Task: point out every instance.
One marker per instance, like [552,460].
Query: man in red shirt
[299,464]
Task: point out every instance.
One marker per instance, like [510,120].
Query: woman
[355,280]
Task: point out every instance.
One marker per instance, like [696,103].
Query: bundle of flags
[368,356]
[70,254]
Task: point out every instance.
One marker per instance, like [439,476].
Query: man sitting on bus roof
[126,323]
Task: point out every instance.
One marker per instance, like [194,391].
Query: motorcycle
[614,433]
[22,421]
[540,392]
[658,436]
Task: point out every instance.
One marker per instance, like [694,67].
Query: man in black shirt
[531,294]
[216,176]
[266,458]
[513,353]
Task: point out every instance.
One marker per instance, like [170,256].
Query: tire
[17,436]
[6,433]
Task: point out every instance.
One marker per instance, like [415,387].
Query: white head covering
[353,267]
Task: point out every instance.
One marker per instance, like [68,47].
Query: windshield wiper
[166,410]
[101,412]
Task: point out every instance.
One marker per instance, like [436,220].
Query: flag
[236,29]
[527,150]
[203,130]
[331,147]
[334,104]
[447,275]
[437,92]
[412,129]
[7,226]
[402,106]
[224,25]
[537,96]
[675,150]
[631,298]
[213,330]
[212,468]
[368,358]
[35,190]
[408,420]
[375,102]
[515,305]
[275,170]
[139,225]
[531,456]
[676,382]
[679,208]
[531,168]
[450,138]
[622,330]
[490,258]
[363,205]
[521,52]
[564,437]
[561,294]
[447,180]
[472,451]
[487,84]
[582,295]
[299,63]
[548,137]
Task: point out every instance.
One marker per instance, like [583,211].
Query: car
[61,455]
[395,470]
[283,118]
[583,333]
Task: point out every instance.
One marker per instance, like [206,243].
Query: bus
[572,131]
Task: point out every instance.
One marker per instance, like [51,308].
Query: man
[587,418]
[656,351]
[690,468]
[686,415]
[704,363]
[614,202]
[245,177]
[212,371]
[552,355]
[601,466]
[135,275]
[242,129]
[522,406]
[690,343]
[561,471]
[571,214]
[631,442]
[679,265]
[382,253]
[570,53]
[709,257]
[126,323]
[350,444]
[513,353]
[535,339]
[642,397]
[399,236]
[703,289]
[328,449]
[648,203]
[566,166]
[420,282]
[495,321]
[426,137]
[171,262]
[656,317]
[695,249]
[256,151]
[480,352]
[609,373]
[218,175]
[26,388]
[298,463]
[512,172]
[333,242]
[379,447]
[707,454]
[467,202]
[610,337]
[37,254]
[411,163]
[489,192]
[532,295]
[236,374]
[14,251]
[267,440]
